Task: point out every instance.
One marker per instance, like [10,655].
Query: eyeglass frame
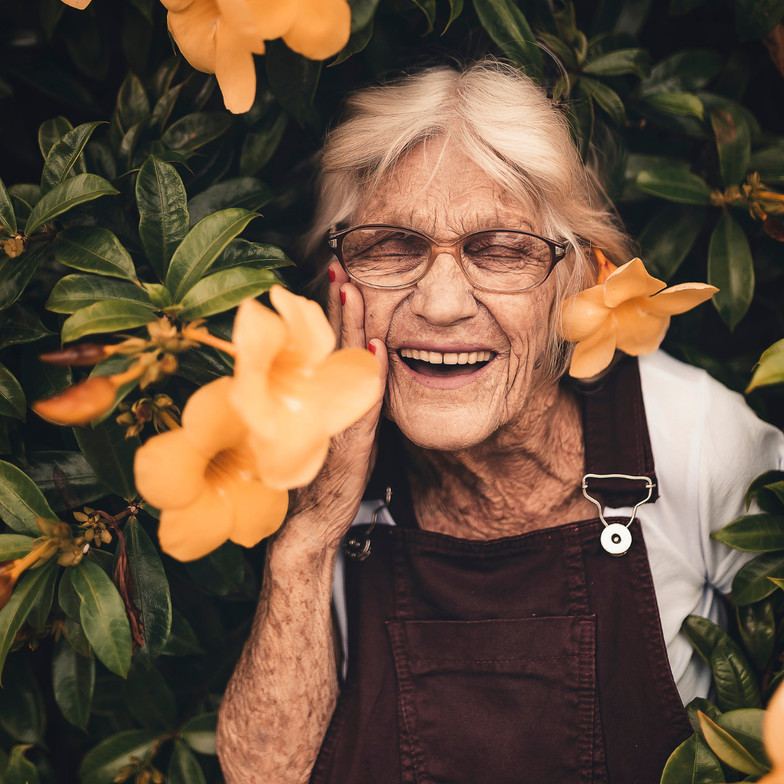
[335,243]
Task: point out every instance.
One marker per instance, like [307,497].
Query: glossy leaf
[74,292]
[684,71]
[362,12]
[7,215]
[701,704]
[745,726]
[224,290]
[757,626]
[751,583]
[768,488]
[69,600]
[669,236]
[619,62]
[12,397]
[22,710]
[224,572]
[195,130]
[64,154]
[357,42]
[16,273]
[14,614]
[21,326]
[50,131]
[753,533]
[428,8]
[38,616]
[202,245]
[103,762]
[693,763]
[94,249]
[731,269]
[73,680]
[107,316]
[66,479]
[163,212]
[674,185]
[733,141]
[74,191]
[256,254]
[151,591]
[607,98]
[21,501]
[755,18]
[133,106]
[111,455]
[149,699]
[102,615]
[20,770]
[676,103]
[728,749]
[184,768]
[703,635]
[14,546]
[770,369]
[199,733]
[733,677]
[246,192]
[74,634]
[182,639]
[260,144]
[292,78]
[506,24]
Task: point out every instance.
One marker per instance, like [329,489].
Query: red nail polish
[331,273]
[342,297]
[371,348]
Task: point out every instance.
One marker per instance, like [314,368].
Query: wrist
[299,545]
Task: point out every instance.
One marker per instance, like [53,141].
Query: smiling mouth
[440,364]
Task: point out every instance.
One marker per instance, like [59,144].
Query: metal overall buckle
[358,547]
[616,538]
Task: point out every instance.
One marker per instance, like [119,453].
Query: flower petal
[170,470]
[311,338]
[177,5]
[291,460]
[78,4]
[680,298]
[630,281]
[193,29]
[258,511]
[595,353]
[583,314]
[234,68]
[211,422]
[636,330]
[321,29]
[195,530]
[266,19]
[79,404]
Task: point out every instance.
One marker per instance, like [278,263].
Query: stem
[202,336]
[168,420]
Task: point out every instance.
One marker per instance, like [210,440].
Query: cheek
[379,308]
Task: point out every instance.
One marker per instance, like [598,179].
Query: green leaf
[184,768]
[257,254]
[164,107]
[73,679]
[39,612]
[195,130]
[108,316]
[224,572]
[693,763]
[182,639]
[67,597]
[199,733]
[21,501]
[684,71]
[767,489]
[292,78]
[669,236]
[224,290]
[757,626]
[30,586]
[507,26]
[64,154]
[731,268]
[149,699]
[94,249]
[16,273]
[701,704]
[674,184]
[14,546]
[246,192]
[755,18]
[677,103]
[75,190]
[74,292]
[102,615]
[202,245]
[362,12]
[159,295]
[133,106]
[103,762]
[12,397]
[163,212]
[733,677]
[22,711]
[111,455]
[751,583]
[728,749]
[770,369]
[703,635]
[455,9]
[50,131]
[74,634]
[151,591]
[619,62]
[733,140]
[357,42]
[607,98]
[7,215]
[745,726]
[20,770]
[260,144]
[66,479]
[21,326]
[428,8]
[759,533]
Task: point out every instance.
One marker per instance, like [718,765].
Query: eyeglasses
[498,260]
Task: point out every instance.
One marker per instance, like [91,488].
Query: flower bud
[84,354]
[15,246]
[80,404]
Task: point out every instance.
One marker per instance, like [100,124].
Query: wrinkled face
[462,362]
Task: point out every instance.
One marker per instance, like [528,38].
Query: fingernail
[371,348]
[342,297]
[331,273]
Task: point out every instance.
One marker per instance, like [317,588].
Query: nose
[444,295]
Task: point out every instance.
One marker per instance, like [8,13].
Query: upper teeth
[447,358]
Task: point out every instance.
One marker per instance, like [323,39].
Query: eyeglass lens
[502,260]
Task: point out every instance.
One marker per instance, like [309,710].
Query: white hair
[503,121]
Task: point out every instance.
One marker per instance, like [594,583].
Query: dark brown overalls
[534,658]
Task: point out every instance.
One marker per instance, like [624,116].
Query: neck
[526,476]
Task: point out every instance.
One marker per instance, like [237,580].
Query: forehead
[438,189]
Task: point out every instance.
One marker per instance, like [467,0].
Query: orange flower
[203,478]
[773,735]
[629,310]
[291,390]
[78,4]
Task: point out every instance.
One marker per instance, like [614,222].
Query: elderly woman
[495,628]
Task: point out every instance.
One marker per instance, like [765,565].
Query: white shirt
[707,447]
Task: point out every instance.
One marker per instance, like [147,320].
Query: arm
[280,699]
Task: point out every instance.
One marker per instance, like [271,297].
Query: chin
[443,431]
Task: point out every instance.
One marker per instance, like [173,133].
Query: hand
[321,513]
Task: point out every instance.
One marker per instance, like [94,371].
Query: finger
[337,277]
[352,326]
